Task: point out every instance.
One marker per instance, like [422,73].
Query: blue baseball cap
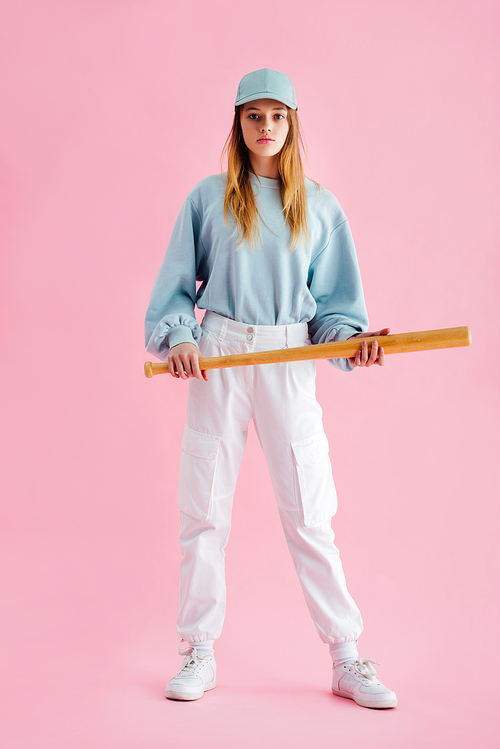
[266,84]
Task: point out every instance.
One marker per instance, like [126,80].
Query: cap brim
[265,95]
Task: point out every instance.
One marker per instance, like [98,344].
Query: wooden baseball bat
[399,343]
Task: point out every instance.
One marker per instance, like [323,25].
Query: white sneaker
[356,680]
[195,677]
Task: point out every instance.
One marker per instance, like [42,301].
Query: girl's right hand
[183,362]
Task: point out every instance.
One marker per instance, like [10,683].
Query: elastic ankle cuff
[205,646]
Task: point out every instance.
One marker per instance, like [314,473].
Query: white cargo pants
[280,398]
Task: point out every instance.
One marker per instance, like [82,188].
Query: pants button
[249,330]
[249,337]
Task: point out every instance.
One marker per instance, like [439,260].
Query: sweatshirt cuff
[346,332]
[343,334]
[180,334]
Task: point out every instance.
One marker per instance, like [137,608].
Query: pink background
[112,111]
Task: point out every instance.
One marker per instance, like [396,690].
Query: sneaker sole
[186,696]
[382,704]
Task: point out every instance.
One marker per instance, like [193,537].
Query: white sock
[342,652]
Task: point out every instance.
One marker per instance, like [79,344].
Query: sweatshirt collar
[264,181]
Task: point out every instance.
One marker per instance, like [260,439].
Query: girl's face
[264,124]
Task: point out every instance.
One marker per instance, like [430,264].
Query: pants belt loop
[223,330]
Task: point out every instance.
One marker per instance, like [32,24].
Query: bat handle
[148,369]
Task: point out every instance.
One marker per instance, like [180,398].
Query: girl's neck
[264,167]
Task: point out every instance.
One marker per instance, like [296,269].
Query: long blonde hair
[239,199]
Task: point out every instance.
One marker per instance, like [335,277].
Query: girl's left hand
[376,356]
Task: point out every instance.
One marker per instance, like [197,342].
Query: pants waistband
[272,335]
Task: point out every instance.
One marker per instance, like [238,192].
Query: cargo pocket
[197,473]
[317,495]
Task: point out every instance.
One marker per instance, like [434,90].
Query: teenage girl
[277,265]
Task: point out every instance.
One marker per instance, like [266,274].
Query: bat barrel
[427,340]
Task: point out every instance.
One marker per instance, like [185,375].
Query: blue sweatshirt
[267,285]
